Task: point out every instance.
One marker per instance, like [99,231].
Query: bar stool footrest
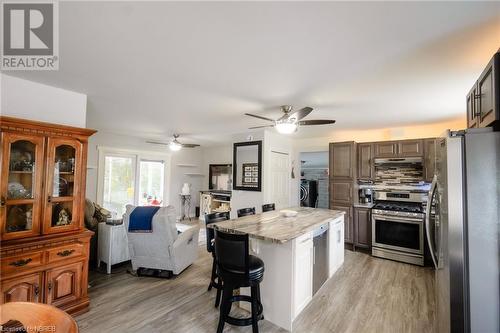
[244,321]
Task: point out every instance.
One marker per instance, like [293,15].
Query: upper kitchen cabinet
[430,159]
[342,160]
[483,100]
[396,149]
[472,113]
[488,91]
[410,148]
[386,149]
[365,165]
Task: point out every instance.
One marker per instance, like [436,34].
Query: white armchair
[170,246]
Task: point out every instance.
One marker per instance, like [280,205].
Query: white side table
[112,245]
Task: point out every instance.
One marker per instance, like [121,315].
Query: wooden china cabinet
[44,246]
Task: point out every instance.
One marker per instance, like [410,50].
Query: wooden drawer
[21,262]
[65,252]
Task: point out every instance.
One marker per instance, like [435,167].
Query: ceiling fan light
[286,127]
[174,146]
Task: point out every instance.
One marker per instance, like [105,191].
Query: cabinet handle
[65,253]
[37,290]
[21,262]
[49,199]
[49,286]
[2,202]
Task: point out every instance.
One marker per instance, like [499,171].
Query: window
[151,184]
[119,182]
[130,178]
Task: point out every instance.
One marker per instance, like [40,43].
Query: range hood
[401,160]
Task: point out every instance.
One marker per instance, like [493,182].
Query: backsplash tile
[397,174]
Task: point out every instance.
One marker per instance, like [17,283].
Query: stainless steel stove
[398,225]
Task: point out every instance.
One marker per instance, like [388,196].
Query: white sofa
[164,248]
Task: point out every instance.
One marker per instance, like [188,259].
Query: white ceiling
[152,69]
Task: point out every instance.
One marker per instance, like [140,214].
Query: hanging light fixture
[286,126]
[174,145]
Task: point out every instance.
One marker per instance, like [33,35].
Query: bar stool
[246,211]
[212,218]
[268,207]
[237,269]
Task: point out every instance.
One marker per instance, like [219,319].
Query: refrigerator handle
[427,220]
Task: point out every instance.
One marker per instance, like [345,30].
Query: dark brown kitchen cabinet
[386,149]
[342,160]
[410,148]
[488,91]
[348,221]
[472,113]
[362,227]
[365,161]
[341,192]
[430,159]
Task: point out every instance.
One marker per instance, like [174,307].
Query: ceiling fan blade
[316,122]
[302,113]
[189,145]
[158,143]
[261,126]
[260,117]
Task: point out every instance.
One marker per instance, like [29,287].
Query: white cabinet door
[303,272]
[336,245]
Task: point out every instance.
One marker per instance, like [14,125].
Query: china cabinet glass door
[62,185]
[20,185]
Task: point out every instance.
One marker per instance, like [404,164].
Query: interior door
[63,189]
[279,173]
[21,185]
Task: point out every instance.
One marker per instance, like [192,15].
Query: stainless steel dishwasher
[320,258]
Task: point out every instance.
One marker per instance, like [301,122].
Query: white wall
[175,175]
[34,101]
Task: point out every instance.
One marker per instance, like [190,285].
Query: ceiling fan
[174,144]
[291,120]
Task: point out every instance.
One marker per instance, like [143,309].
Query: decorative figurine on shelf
[64,218]
[29,219]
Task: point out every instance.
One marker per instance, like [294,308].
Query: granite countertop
[271,226]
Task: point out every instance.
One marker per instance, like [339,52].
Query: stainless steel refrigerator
[462,227]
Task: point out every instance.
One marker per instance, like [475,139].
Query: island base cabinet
[336,245]
[287,286]
[303,272]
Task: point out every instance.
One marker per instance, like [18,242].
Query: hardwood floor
[366,295]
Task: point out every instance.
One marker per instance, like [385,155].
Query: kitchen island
[296,262]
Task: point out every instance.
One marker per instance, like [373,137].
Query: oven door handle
[428,221]
[397,219]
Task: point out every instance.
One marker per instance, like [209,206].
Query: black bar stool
[268,207]
[246,211]
[237,268]
[212,218]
